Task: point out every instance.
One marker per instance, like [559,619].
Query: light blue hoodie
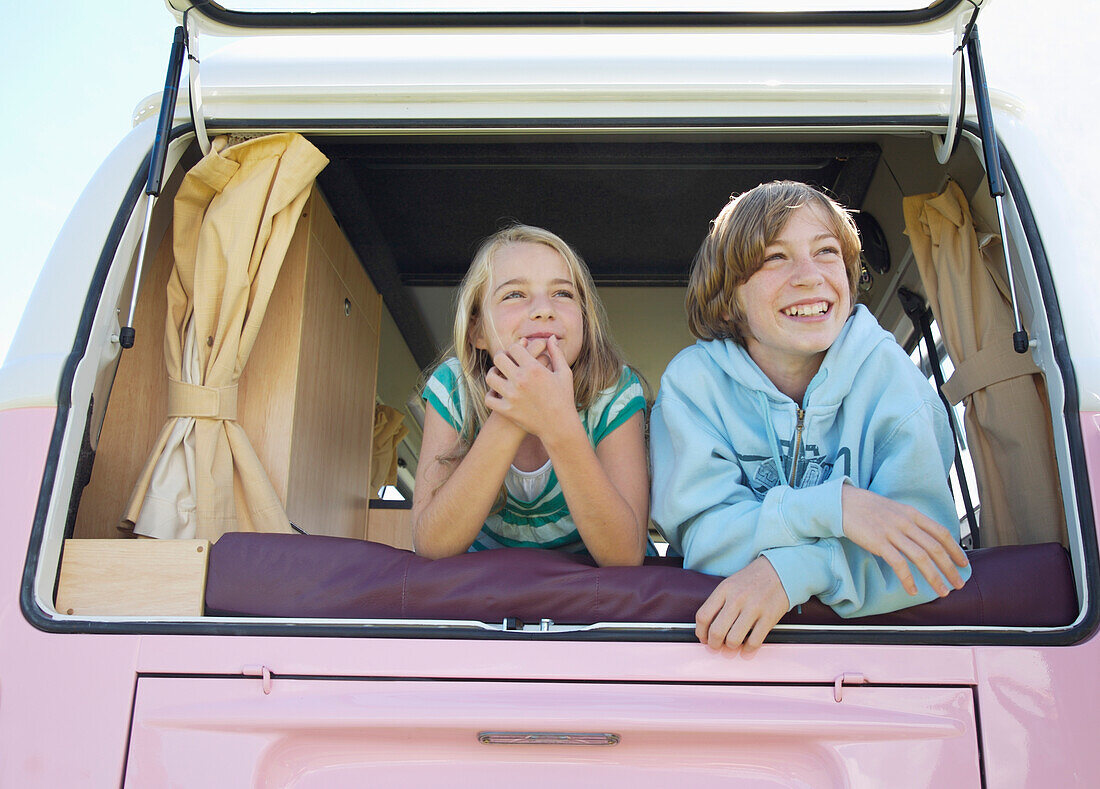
[722,438]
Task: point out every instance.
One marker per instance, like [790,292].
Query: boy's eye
[828,251]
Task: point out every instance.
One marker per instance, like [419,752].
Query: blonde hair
[734,250]
[598,366]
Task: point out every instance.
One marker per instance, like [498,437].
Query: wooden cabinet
[391,525]
[306,397]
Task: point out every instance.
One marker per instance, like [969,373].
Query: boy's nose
[806,271]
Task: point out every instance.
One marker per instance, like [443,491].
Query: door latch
[846,679]
[265,674]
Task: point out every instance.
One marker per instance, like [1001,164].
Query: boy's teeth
[807,309]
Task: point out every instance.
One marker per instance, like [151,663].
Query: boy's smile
[796,304]
[531,296]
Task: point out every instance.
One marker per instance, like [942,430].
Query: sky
[73,72]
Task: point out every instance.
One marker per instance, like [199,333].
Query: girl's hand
[897,532]
[531,384]
[742,609]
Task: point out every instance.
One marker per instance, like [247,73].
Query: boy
[796,449]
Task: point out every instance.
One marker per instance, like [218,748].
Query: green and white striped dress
[544,521]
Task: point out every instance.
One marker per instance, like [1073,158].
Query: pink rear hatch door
[349,732]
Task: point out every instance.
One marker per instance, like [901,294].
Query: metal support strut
[993,173]
[157,159]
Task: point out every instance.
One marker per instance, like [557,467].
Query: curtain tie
[989,366]
[202,402]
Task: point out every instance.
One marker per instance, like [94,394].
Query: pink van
[224,348]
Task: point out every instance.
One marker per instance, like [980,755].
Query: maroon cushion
[287,575]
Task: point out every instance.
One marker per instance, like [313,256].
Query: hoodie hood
[857,340]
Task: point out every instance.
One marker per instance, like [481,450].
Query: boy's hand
[897,532]
[742,609]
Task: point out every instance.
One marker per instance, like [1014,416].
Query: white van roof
[349,66]
[243,15]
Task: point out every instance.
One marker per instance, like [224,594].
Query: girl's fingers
[504,363]
[557,358]
[495,381]
[523,351]
[534,348]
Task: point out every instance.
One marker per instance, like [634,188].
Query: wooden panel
[334,414]
[328,236]
[391,526]
[270,378]
[137,410]
[133,577]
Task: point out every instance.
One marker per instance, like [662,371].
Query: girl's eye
[512,294]
[568,294]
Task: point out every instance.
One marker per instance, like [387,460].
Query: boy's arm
[909,481]
[706,509]
[714,520]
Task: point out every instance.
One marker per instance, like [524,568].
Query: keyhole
[347,308]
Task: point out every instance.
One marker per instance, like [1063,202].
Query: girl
[536,401]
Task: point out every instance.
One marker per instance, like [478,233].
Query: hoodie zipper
[797,446]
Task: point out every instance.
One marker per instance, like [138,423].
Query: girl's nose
[541,307]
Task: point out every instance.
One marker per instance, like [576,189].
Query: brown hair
[734,250]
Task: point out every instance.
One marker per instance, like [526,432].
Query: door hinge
[194,85]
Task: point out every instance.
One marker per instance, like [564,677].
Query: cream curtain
[233,219]
[388,434]
[1007,419]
